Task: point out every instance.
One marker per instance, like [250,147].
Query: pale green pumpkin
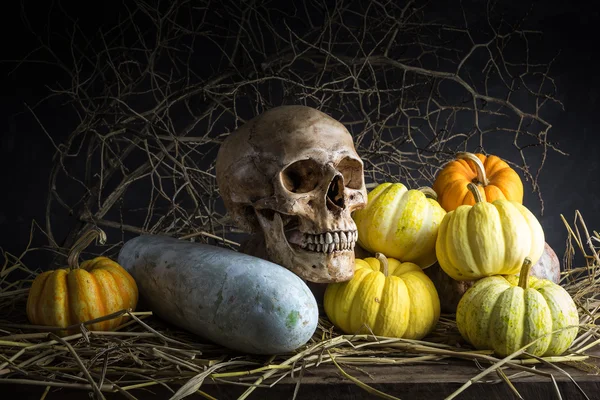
[400,223]
[506,313]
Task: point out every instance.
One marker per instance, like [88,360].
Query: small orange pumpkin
[77,294]
[494,178]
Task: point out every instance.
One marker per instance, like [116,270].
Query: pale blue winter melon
[238,301]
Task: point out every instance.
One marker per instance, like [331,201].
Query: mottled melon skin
[238,301]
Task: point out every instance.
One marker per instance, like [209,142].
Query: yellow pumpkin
[488,239]
[400,223]
[505,314]
[77,294]
[386,297]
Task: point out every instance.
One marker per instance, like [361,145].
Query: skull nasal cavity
[335,193]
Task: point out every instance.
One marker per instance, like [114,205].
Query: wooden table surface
[424,381]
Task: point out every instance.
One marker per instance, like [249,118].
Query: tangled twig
[156,93]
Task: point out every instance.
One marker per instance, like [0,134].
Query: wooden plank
[424,381]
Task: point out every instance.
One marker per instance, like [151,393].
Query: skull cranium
[294,174]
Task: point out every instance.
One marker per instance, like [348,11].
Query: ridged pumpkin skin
[500,181]
[97,288]
[488,239]
[81,293]
[498,314]
[451,291]
[400,223]
[402,304]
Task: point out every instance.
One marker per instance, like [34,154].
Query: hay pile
[154,95]
[144,352]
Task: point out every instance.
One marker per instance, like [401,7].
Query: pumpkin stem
[524,274]
[479,168]
[428,192]
[384,263]
[476,193]
[82,243]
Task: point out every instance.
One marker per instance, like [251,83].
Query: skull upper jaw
[312,263]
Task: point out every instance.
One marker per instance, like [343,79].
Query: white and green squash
[506,313]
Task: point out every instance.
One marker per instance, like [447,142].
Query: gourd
[450,291]
[488,239]
[80,293]
[505,314]
[400,223]
[239,301]
[492,175]
[386,297]
[548,266]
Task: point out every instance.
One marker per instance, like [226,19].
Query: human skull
[294,174]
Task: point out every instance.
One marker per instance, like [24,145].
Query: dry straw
[143,353]
[146,103]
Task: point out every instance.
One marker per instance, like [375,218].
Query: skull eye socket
[301,176]
[352,171]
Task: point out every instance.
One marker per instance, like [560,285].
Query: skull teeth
[329,242]
[329,237]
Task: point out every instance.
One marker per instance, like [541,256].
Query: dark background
[567,183]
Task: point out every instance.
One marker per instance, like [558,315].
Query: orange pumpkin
[494,178]
[77,294]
